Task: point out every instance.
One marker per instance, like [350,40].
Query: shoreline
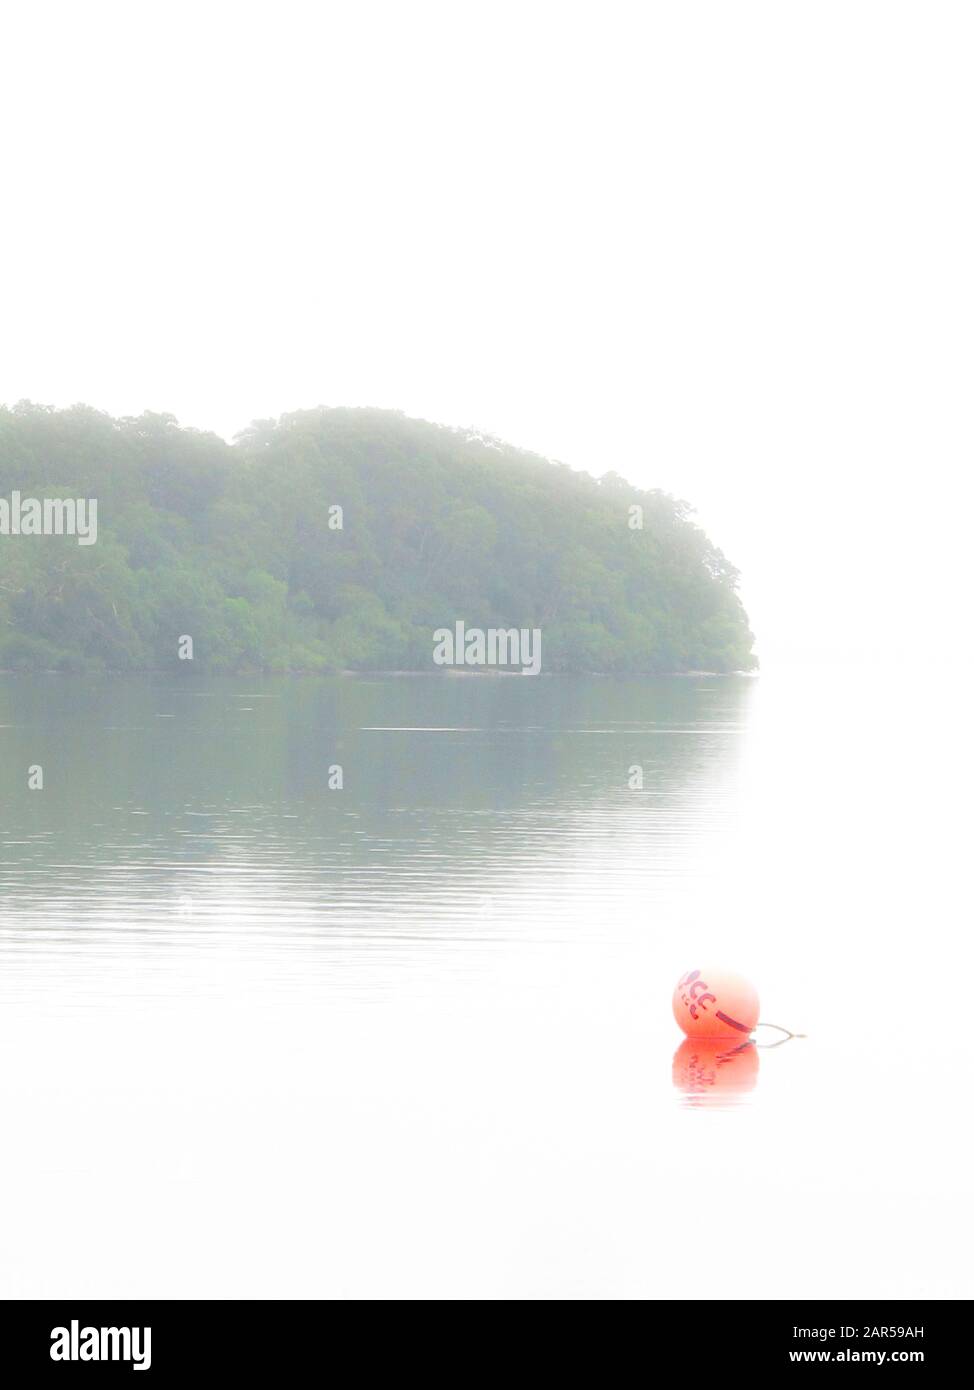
[439,674]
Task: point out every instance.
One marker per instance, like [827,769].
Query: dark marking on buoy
[732,1022]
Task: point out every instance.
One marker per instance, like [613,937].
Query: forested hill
[341,539]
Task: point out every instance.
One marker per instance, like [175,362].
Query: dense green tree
[333,539]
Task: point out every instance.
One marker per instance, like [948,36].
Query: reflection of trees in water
[224,766]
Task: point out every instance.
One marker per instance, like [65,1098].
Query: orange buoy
[709,1070]
[715,1004]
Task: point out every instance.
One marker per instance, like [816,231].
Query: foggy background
[721,249]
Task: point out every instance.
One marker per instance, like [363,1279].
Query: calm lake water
[267,1037]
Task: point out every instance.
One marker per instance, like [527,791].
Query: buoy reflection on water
[715,1071]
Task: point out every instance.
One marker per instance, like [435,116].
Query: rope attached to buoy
[778,1028]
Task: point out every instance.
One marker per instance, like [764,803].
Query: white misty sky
[724,249]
